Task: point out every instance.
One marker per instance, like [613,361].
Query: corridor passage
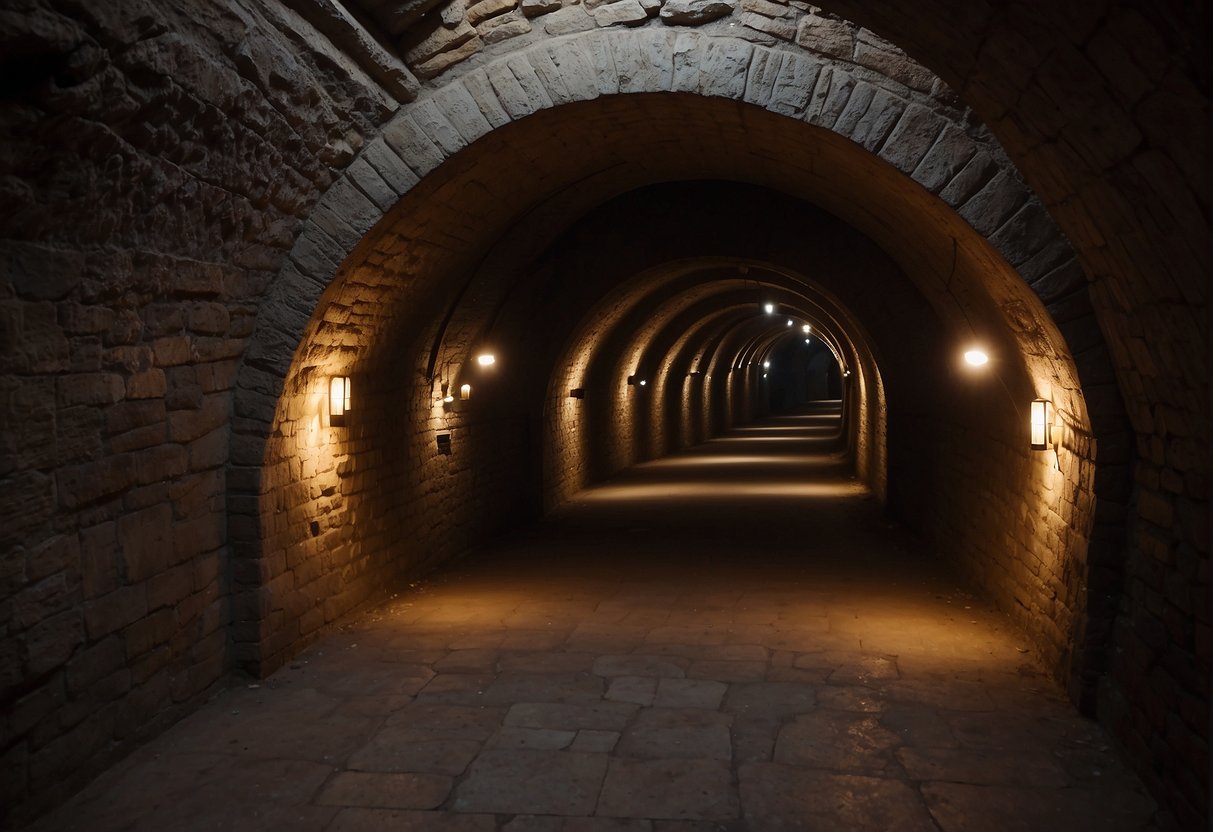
[731,638]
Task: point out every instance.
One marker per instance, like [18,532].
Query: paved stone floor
[727,639]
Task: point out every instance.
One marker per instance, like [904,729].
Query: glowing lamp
[766,365]
[638,381]
[1040,422]
[790,322]
[486,359]
[769,308]
[806,329]
[339,400]
[465,392]
[976,358]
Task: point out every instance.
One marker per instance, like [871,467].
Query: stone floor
[727,639]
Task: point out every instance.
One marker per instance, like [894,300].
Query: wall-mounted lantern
[637,381]
[1041,424]
[465,392]
[339,400]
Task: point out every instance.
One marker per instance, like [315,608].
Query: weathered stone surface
[568,20]
[669,789]
[547,782]
[695,12]
[385,791]
[621,11]
[535,8]
[772,792]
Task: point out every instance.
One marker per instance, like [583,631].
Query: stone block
[535,8]
[483,10]
[782,29]
[622,11]
[568,20]
[50,643]
[695,12]
[443,61]
[426,44]
[148,384]
[110,613]
[145,539]
[504,27]
[828,36]
[90,388]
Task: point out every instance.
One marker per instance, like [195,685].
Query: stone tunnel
[310,305]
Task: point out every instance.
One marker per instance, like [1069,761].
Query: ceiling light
[769,308]
[790,322]
[976,357]
[486,359]
[806,329]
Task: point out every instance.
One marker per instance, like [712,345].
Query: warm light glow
[766,365]
[764,375]
[806,329]
[1040,425]
[808,340]
[465,392]
[486,359]
[976,358]
[790,322]
[448,398]
[339,399]
[643,382]
[769,308]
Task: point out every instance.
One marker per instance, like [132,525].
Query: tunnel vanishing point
[257,257]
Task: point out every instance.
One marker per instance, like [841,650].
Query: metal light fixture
[976,358]
[637,381]
[486,359]
[1041,424]
[339,400]
[465,392]
[577,393]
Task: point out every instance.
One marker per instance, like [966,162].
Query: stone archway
[901,131]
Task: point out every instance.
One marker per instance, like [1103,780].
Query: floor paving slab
[696,646]
[542,782]
[675,789]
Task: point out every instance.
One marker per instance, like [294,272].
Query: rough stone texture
[137,255]
[694,12]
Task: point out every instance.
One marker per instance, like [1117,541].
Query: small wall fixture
[766,365]
[769,308]
[1041,422]
[444,443]
[637,381]
[577,393]
[790,322]
[465,392]
[339,400]
[806,329]
[486,359]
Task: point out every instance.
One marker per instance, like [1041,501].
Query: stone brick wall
[156,158]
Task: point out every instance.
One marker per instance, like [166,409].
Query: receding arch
[358,261]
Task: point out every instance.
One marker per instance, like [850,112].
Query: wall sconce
[766,365]
[486,359]
[447,398]
[769,308]
[577,393]
[465,392]
[806,329]
[339,400]
[790,322]
[1041,422]
[444,443]
[638,381]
